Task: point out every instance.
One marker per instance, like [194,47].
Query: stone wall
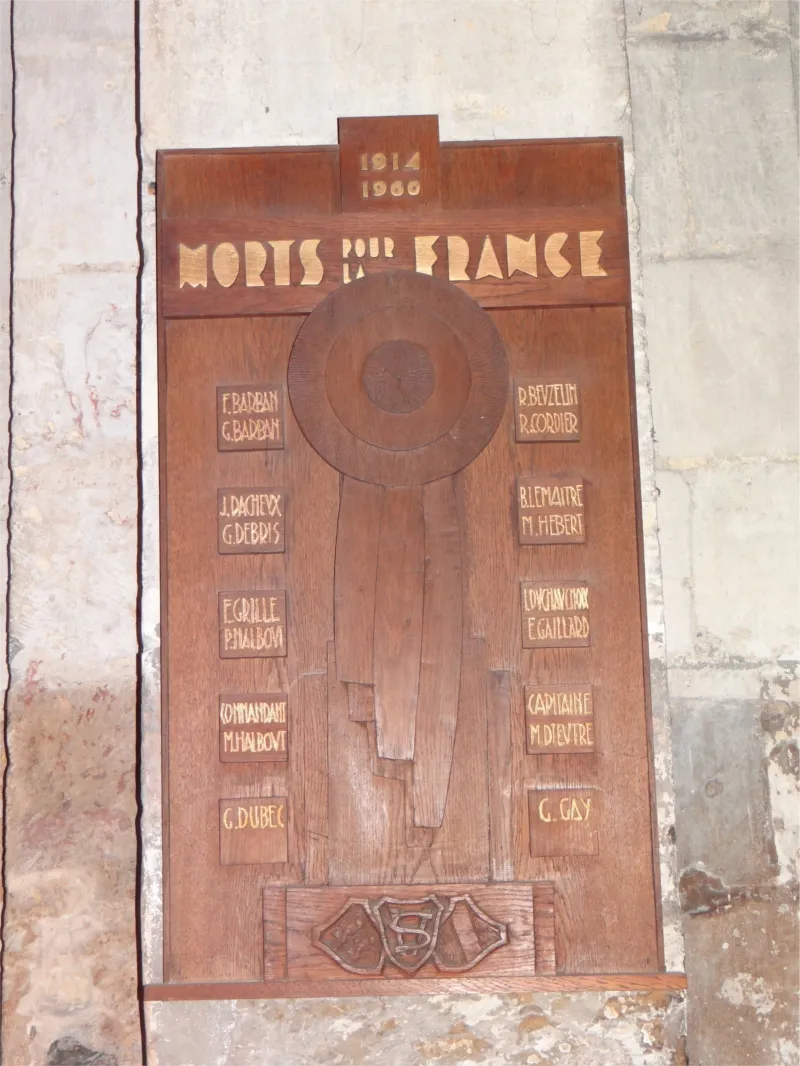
[714,108]
[70,845]
[704,93]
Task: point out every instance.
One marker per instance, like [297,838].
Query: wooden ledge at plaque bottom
[613,982]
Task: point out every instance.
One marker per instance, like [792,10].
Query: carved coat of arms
[453,932]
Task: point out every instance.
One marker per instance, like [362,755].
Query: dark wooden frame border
[166,991]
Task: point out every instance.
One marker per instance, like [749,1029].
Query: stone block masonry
[70,844]
[704,95]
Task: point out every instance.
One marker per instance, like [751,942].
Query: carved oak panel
[405,707]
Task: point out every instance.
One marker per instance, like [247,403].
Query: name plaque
[253,728]
[551,510]
[559,719]
[253,830]
[564,821]
[547,410]
[555,614]
[249,417]
[250,520]
[252,624]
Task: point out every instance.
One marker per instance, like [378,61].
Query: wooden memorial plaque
[405,730]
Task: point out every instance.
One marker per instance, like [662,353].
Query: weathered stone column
[70,949]
[715,132]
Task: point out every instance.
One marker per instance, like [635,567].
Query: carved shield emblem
[409,929]
[353,939]
[466,936]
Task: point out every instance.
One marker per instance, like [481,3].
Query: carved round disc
[398,376]
[398,379]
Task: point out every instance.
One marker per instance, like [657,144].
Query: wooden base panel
[612,982]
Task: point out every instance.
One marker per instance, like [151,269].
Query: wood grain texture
[215,934]
[273,904]
[544,922]
[247,182]
[354,581]
[264,182]
[440,671]
[398,622]
[500,785]
[361,702]
[365,819]
[363,441]
[311,770]
[459,849]
[590,346]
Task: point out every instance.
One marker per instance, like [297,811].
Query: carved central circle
[398,376]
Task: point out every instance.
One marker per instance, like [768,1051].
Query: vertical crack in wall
[139,523]
[660,741]
[9,499]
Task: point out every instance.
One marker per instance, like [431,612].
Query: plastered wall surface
[714,110]
[70,844]
[704,94]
